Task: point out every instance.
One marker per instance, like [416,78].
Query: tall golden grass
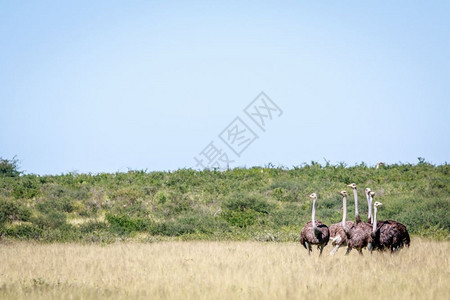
[220,270]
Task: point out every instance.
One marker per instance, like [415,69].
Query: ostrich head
[313,196]
[372,194]
[343,193]
[367,190]
[376,204]
[352,185]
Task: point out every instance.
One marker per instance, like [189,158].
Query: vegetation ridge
[260,203]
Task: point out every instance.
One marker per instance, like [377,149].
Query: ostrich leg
[348,250]
[335,249]
[308,247]
[370,247]
[320,249]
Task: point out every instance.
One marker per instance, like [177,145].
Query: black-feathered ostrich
[338,234]
[360,235]
[388,235]
[314,232]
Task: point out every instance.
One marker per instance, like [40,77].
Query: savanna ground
[219,270]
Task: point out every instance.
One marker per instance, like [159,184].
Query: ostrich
[379,165]
[388,234]
[360,235]
[355,195]
[338,230]
[314,232]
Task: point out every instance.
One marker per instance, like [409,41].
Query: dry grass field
[219,270]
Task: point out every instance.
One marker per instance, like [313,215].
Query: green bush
[12,210]
[200,223]
[170,204]
[172,228]
[64,233]
[51,219]
[288,191]
[62,205]
[25,232]
[279,193]
[257,203]
[124,224]
[245,210]
[434,232]
[93,226]
[26,187]
[9,168]
[242,219]
[290,214]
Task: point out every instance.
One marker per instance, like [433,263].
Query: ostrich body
[314,232]
[338,230]
[360,235]
[337,235]
[388,235]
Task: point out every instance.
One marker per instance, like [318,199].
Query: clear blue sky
[113,85]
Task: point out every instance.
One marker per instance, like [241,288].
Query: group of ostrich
[374,234]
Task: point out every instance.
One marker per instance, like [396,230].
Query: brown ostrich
[314,232]
[360,235]
[388,235]
[337,230]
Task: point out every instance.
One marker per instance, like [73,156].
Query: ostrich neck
[344,212]
[313,216]
[355,193]
[369,203]
[374,223]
